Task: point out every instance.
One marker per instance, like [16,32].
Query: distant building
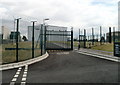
[1,38]
[116,36]
[5,32]
[13,36]
[56,28]
[52,30]
[56,32]
[36,32]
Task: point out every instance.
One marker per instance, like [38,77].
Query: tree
[24,38]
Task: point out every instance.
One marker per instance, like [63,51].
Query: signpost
[117,49]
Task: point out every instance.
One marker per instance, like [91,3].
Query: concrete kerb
[101,54]
[111,58]
[23,63]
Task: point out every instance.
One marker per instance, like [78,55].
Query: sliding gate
[59,40]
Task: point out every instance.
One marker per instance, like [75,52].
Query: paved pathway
[67,67]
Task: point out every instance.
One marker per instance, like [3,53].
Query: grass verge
[9,56]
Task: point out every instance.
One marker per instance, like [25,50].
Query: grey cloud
[72,12]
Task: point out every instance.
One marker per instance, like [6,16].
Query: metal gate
[59,40]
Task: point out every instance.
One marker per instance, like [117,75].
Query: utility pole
[43,36]
[17,31]
[110,35]
[79,35]
[33,38]
[84,38]
[71,38]
[14,30]
[100,35]
[113,34]
[92,36]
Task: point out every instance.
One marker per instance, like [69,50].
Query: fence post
[104,38]
[17,30]
[84,38]
[100,35]
[33,39]
[92,36]
[41,37]
[45,38]
[72,38]
[113,34]
[79,35]
[17,40]
[109,34]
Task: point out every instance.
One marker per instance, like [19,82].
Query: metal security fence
[96,37]
[59,40]
[15,43]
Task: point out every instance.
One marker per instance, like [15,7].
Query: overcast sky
[83,14]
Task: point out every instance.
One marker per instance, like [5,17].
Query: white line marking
[23,79]
[14,79]
[16,76]
[26,70]
[75,49]
[23,83]
[12,83]
[18,73]
[20,68]
[24,75]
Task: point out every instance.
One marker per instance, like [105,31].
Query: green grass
[9,56]
[104,47]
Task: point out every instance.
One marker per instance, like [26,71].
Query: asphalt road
[68,67]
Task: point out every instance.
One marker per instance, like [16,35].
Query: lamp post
[17,30]
[43,28]
[45,20]
[71,38]
[14,29]
[33,38]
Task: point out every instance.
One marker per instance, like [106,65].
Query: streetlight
[33,38]
[17,38]
[71,38]
[45,20]
[44,28]
[14,29]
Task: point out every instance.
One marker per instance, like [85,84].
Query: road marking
[75,49]
[62,53]
[20,68]
[12,83]
[24,78]
[23,83]
[25,72]
[15,76]
[14,79]
[18,73]
[24,75]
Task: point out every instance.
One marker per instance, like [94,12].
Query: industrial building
[5,32]
[50,30]
[117,33]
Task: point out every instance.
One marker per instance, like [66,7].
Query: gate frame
[59,48]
